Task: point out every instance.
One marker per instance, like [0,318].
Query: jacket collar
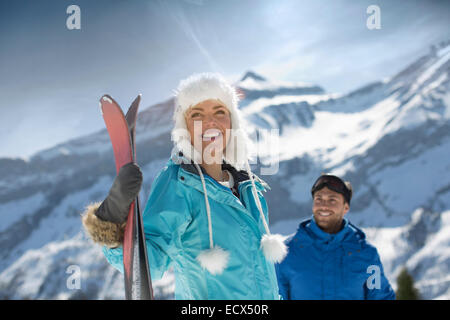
[189,176]
[238,175]
[318,235]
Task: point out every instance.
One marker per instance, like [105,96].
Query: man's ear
[346,207]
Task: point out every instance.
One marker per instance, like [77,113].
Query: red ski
[121,129]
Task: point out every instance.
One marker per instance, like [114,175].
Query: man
[329,258]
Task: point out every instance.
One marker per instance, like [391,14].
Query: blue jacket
[323,266]
[176,230]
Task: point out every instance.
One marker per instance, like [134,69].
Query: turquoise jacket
[176,230]
[323,266]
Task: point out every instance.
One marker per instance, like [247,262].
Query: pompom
[214,260]
[273,247]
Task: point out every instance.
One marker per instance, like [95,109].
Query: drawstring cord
[255,195]
[208,210]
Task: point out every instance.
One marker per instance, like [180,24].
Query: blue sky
[51,78]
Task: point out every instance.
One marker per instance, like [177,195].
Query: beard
[329,220]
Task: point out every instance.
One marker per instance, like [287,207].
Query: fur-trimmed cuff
[102,232]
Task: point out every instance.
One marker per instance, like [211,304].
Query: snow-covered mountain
[391,139]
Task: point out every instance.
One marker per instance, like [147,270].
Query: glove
[123,192]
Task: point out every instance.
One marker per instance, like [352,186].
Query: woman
[205,216]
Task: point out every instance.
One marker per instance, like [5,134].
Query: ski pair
[122,132]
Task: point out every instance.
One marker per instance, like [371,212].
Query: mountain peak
[253,75]
[253,86]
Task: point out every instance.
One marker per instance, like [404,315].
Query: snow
[300,186]
[253,84]
[91,144]
[433,262]
[99,143]
[430,263]
[258,105]
[14,211]
[331,138]
[62,222]
[389,244]
[444,56]
[435,84]
[416,184]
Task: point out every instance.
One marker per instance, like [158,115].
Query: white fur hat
[198,88]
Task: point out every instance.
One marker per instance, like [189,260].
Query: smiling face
[208,124]
[329,208]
